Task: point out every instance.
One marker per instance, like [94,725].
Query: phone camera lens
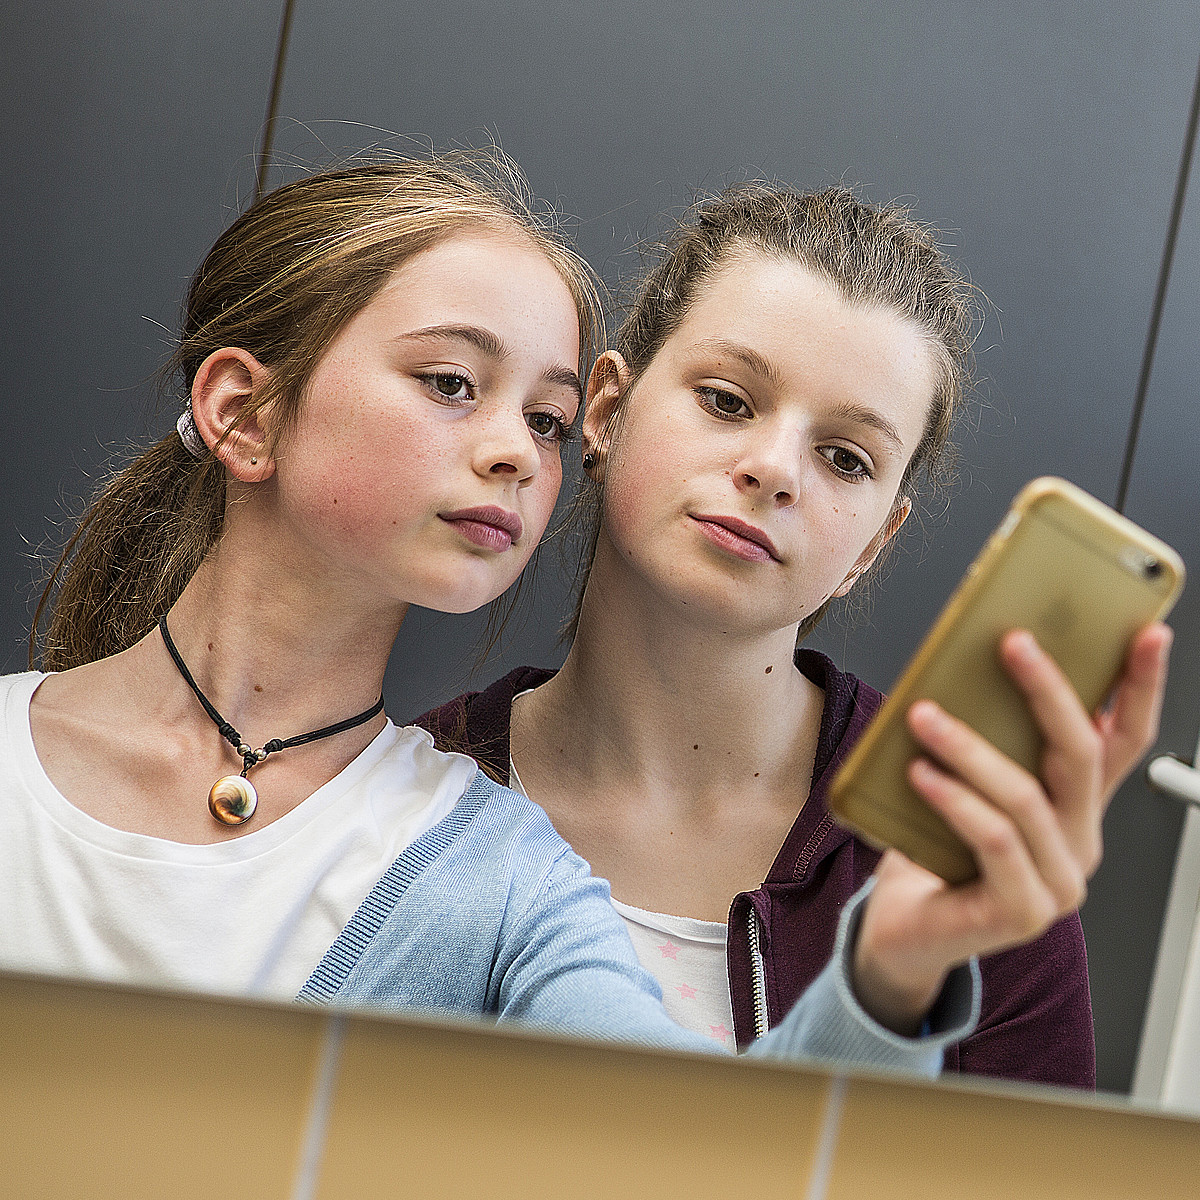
[1151,567]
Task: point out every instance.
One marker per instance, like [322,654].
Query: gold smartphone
[1083,580]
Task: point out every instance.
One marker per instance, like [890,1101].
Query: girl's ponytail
[138,544]
[280,283]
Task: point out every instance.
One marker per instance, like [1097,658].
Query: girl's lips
[483,534]
[488,526]
[739,538]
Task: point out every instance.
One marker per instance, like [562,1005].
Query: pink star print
[669,950]
[719,1032]
[685,992]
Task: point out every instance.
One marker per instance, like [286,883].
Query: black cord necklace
[232,798]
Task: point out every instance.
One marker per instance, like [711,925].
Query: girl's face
[759,455]
[425,464]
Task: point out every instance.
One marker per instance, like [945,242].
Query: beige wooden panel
[940,1142]
[434,1112]
[106,1092]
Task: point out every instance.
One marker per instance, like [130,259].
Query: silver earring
[254,462]
[190,435]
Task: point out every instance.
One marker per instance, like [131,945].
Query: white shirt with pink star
[687,957]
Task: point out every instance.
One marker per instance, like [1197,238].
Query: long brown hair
[279,283]
[871,255]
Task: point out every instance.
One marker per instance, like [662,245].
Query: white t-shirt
[251,916]
[686,956]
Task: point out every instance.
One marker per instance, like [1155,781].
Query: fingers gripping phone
[1083,580]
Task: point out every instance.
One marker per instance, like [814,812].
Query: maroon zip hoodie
[1036,1022]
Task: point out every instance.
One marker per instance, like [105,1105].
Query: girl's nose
[770,472]
[507,447]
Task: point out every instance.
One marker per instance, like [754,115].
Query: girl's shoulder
[477,723]
[16,691]
[496,818]
[849,701]
[487,708]
[19,680]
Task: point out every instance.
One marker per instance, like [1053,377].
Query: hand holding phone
[1036,840]
[991,763]
[1078,576]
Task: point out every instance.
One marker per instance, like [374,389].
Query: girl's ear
[607,386]
[891,527]
[226,384]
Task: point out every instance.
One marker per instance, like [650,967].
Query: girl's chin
[462,600]
[732,615]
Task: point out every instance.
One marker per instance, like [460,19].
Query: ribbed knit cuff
[829,1023]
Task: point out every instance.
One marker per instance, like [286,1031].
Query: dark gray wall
[128,139]
[1122,916]
[1044,139]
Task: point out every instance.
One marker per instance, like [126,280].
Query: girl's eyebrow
[746,356]
[565,377]
[493,346]
[476,335]
[860,414]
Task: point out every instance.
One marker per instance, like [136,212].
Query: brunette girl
[381,364]
[785,378]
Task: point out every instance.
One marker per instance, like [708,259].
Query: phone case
[1083,580]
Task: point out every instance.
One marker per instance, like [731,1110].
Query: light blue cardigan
[491,913]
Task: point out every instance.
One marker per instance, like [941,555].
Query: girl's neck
[274,646]
[652,693]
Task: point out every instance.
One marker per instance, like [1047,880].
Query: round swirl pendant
[232,800]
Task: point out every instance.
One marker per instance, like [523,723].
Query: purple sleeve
[1036,1021]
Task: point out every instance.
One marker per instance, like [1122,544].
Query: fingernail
[928,714]
[921,770]
[1023,644]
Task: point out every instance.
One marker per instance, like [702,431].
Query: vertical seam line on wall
[281,49]
[818,1181]
[1160,296]
[316,1125]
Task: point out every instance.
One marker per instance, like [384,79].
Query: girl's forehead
[776,303]
[485,249]
[497,276]
[738,286]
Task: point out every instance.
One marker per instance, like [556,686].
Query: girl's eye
[722,403]
[549,427]
[449,386]
[845,462]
